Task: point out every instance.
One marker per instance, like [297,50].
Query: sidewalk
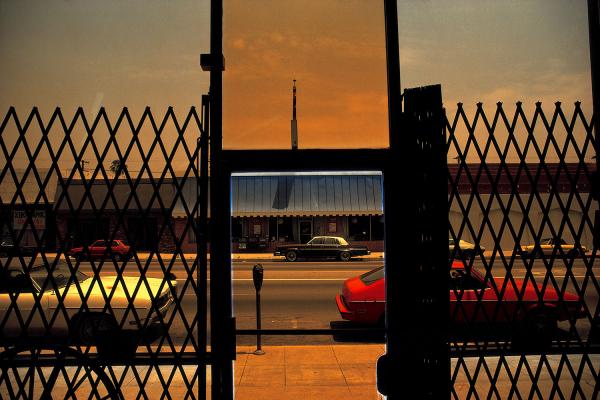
[347,371]
[341,372]
[269,256]
[307,372]
[234,256]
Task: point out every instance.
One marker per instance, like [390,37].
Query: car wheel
[469,254]
[574,253]
[79,257]
[291,256]
[87,328]
[345,256]
[538,330]
[118,257]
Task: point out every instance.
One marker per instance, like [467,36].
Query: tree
[116,167]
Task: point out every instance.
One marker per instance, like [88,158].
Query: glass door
[306,230]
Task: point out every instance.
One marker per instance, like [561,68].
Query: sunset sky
[135,53]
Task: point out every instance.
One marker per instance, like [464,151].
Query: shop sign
[38,217]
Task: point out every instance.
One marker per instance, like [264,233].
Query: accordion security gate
[499,206]
[535,309]
[527,327]
[123,314]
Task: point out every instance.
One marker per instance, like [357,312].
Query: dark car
[118,250]
[322,247]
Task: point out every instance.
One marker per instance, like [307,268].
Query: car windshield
[342,241]
[60,274]
[372,276]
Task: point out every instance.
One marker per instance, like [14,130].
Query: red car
[100,249]
[363,300]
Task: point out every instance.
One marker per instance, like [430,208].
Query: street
[302,295]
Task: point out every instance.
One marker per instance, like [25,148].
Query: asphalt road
[302,295]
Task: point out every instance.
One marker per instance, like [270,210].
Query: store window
[358,228]
[236,229]
[377,225]
[332,226]
[285,230]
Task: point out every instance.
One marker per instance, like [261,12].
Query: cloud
[238,43]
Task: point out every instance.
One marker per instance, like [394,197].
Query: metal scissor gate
[104,266]
[104,228]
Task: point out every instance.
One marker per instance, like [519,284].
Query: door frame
[405,359]
[304,220]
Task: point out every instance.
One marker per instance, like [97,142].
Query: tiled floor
[308,372]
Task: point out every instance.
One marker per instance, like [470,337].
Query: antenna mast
[294,122]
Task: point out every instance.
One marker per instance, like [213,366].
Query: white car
[465,249]
[78,319]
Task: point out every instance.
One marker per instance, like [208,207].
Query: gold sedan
[37,302]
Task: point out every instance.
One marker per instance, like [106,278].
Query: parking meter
[257,276]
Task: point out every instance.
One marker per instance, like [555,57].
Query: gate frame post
[417,359]
[221,315]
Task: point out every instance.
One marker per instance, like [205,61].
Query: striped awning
[306,194]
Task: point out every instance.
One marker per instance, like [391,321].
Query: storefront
[27,215]
[273,208]
[138,218]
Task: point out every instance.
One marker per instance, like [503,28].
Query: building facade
[272,209]
[515,204]
[27,217]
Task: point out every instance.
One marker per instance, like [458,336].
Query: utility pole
[294,122]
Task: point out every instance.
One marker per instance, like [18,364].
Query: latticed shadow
[97,214]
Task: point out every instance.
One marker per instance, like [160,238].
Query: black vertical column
[222,323]
[396,225]
[594,32]
[202,239]
[594,39]
[428,295]
[416,364]
[594,35]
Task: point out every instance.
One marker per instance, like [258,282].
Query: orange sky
[337,56]
[146,53]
